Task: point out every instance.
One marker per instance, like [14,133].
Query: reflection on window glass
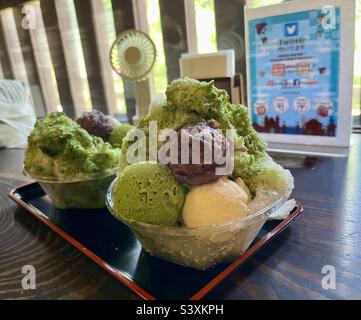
[111,35]
[356,107]
[206,26]
[155,33]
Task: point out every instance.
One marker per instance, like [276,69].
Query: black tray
[112,246]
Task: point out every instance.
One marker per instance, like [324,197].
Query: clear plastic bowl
[87,192]
[203,247]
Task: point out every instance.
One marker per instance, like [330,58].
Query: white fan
[132,56]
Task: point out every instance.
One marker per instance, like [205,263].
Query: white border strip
[13,46]
[103,48]
[141,23]
[191,26]
[43,61]
[1,72]
[79,87]
[140,15]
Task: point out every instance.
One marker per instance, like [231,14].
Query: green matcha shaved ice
[59,148]
[190,101]
[157,104]
[117,135]
[201,97]
[147,192]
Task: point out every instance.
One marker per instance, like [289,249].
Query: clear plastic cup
[87,192]
[203,247]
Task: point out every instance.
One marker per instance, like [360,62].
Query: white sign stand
[319,145]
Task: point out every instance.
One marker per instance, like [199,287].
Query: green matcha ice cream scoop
[147,192]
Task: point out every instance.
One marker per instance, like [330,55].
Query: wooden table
[327,233]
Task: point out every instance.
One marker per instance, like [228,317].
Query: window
[118,86]
[206,26]
[156,34]
[74,55]
[66,63]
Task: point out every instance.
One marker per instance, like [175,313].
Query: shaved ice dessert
[205,215]
[74,167]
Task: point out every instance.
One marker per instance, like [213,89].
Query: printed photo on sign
[280,104]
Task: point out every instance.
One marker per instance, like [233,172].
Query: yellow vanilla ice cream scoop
[244,187]
[215,203]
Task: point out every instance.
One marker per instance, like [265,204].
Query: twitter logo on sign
[291,29]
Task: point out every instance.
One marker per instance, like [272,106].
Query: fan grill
[132,55]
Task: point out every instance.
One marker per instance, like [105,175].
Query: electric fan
[132,56]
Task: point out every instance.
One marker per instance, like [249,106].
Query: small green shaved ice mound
[199,97]
[157,104]
[59,148]
[168,118]
[117,135]
[147,192]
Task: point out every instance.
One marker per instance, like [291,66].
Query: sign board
[299,71]
[222,72]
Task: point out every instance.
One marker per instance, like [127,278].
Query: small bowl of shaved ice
[74,167]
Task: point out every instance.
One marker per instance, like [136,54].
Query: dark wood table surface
[327,233]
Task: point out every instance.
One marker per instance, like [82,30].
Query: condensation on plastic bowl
[203,247]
